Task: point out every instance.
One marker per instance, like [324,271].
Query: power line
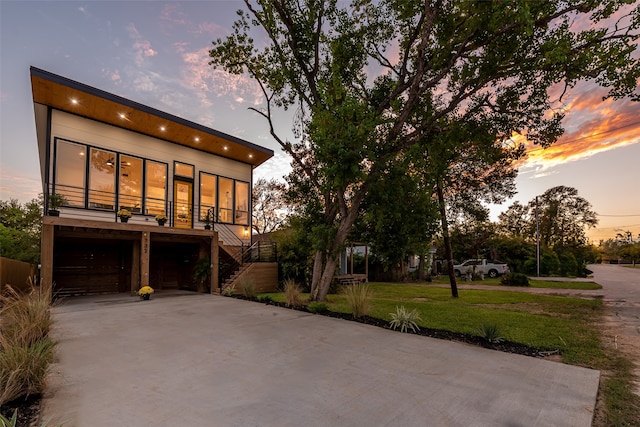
[618,227]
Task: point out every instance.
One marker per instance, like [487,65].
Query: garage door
[91,267]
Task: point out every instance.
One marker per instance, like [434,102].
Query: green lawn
[532,281]
[544,321]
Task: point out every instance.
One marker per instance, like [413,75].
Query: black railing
[261,252]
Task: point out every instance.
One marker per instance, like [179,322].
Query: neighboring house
[104,154]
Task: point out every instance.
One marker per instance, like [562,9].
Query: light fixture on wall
[246,232]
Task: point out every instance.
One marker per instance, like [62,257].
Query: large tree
[372,79]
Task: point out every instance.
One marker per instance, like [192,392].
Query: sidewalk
[203,360]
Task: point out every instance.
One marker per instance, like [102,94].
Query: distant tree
[516,221]
[564,217]
[270,208]
[20,228]
[627,246]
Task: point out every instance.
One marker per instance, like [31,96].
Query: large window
[71,161]
[130,196]
[225,200]
[102,179]
[242,203]
[207,196]
[156,188]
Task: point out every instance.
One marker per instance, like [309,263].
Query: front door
[183,206]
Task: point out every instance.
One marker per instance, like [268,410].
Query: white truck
[488,268]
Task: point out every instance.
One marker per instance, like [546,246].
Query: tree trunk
[331,260]
[317,272]
[447,240]
[421,272]
[327,277]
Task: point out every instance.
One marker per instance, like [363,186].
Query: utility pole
[537,241]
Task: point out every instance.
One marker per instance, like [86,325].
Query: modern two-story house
[186,188]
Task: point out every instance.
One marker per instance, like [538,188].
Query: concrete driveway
[202,360]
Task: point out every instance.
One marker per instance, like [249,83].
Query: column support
[145,250]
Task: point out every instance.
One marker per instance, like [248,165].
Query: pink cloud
[592,125]
[114,76]
[215,83]
[172,15]
[142,48]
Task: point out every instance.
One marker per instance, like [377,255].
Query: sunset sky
[156,53]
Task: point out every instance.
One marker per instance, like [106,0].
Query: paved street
[202,360]
[621,289]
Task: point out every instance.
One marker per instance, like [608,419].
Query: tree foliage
[269,205]
[563,217]
[20,227]
[371,80]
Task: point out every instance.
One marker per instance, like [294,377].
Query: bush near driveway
[25,349]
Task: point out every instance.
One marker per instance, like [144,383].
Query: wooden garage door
[91,267]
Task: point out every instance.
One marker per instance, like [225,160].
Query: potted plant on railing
[124,215]
[55,202]
[161,219]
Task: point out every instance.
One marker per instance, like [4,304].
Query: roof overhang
[76,98]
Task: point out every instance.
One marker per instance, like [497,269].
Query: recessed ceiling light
[251,156]
[74,101]
[197,138]
[162,128]
[225,148]
[122,116]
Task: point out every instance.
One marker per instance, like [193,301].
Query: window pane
[242,203]
[70,172]
[130,184]
[156,191]
[102,179]
[207,195]
[184,170]
[225,200]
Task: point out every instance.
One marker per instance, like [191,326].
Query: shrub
[317,307]
[491,333]
[265,299]
[292,292]
[23,370]
[248,287]
[515,279]
[359,298]
[229,290]
[405,319]
[25,318]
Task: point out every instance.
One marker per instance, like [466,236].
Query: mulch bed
[28,410]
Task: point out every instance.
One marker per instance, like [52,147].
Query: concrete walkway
[202,360]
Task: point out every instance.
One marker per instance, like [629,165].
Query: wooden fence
[16,273]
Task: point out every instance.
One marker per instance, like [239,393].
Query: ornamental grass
[25,348]
[359,298]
